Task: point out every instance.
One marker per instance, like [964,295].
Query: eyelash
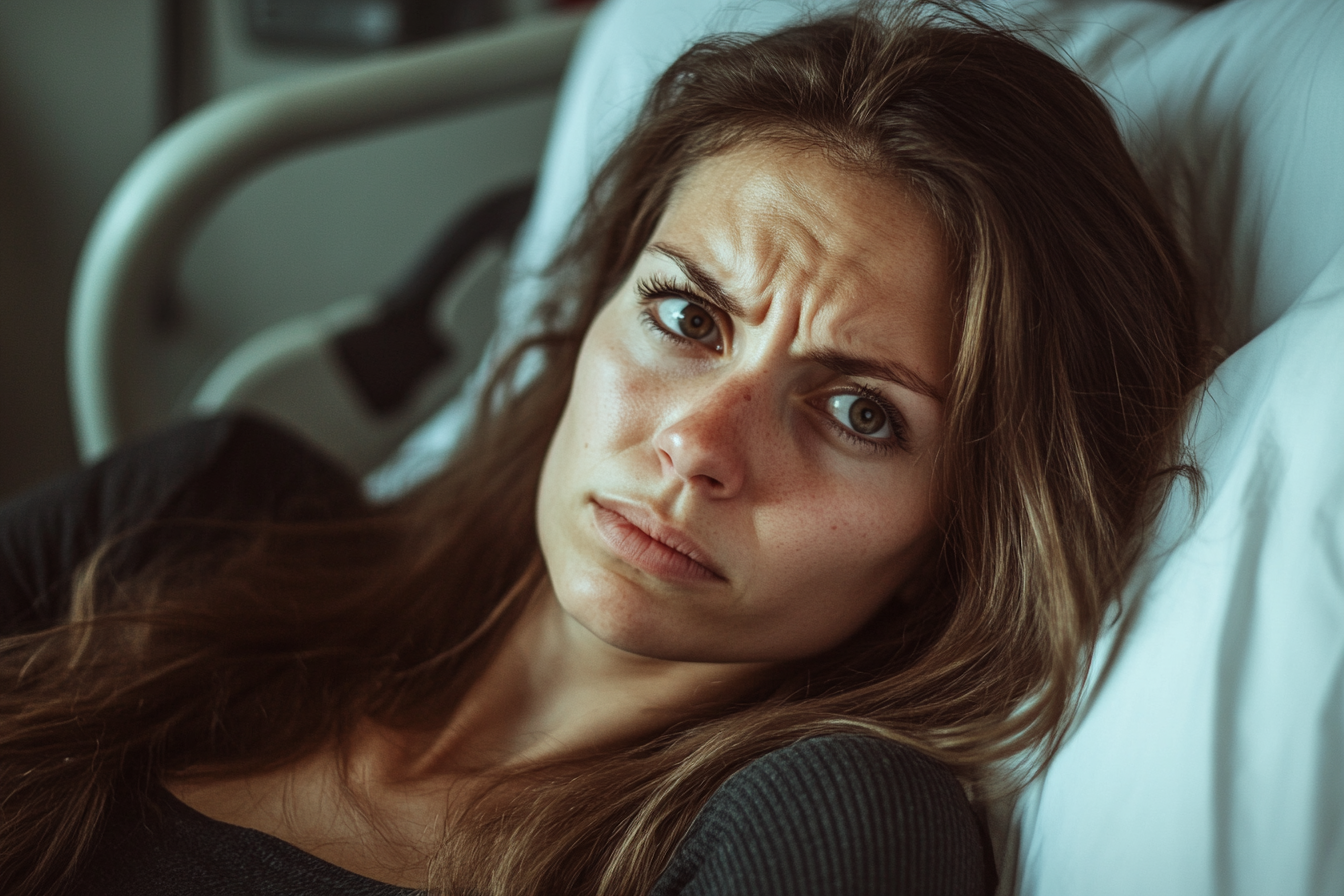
[656,286]
[882,446]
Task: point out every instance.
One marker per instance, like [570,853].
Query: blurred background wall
[77,102]
[86,84]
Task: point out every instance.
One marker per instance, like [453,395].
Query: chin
[625,616]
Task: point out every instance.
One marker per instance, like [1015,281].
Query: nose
[705,445]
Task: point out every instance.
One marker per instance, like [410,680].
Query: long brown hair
[1077,348]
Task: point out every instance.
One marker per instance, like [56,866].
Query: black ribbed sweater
[846,815]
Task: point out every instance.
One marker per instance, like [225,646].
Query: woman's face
[744,469]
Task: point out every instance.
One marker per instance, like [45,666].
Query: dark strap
[393,353]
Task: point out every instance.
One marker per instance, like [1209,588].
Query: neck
[555,691]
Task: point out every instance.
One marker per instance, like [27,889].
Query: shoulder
[233,467]
[840,814]
[154,845]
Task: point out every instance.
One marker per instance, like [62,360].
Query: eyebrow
[891,371]
[848,365]
[712,289]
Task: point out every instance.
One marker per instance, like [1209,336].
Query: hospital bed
[1208,753]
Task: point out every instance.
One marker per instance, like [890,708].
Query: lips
[639,538]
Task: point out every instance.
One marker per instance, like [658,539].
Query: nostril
[701,448]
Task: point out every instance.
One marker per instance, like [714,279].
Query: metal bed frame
[139,238]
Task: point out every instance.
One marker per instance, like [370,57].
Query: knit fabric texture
[843,815]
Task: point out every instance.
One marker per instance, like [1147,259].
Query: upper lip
[653,526]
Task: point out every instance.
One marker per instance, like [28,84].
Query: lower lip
[633,545]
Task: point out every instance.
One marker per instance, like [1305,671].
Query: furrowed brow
[711,288]
[891,371]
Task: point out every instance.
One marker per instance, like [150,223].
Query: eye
[687,319]
[862,414]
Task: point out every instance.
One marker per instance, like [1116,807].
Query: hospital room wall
[77,102]
[80,97]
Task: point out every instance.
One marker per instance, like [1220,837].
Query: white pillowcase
[1209,757]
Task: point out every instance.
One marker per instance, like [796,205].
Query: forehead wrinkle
[787,232]
[821,208]
[836,298]
[801,233]
[829,246]
[780,253]
[813,265]
[842,296]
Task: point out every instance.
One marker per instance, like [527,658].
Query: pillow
[1209,755]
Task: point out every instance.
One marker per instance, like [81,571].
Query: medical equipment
[1208,756]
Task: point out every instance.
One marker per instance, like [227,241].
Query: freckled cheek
[613,399]
[851,537]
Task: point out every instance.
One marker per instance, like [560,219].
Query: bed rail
[139,236]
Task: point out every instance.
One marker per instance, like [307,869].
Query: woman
[864,373]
